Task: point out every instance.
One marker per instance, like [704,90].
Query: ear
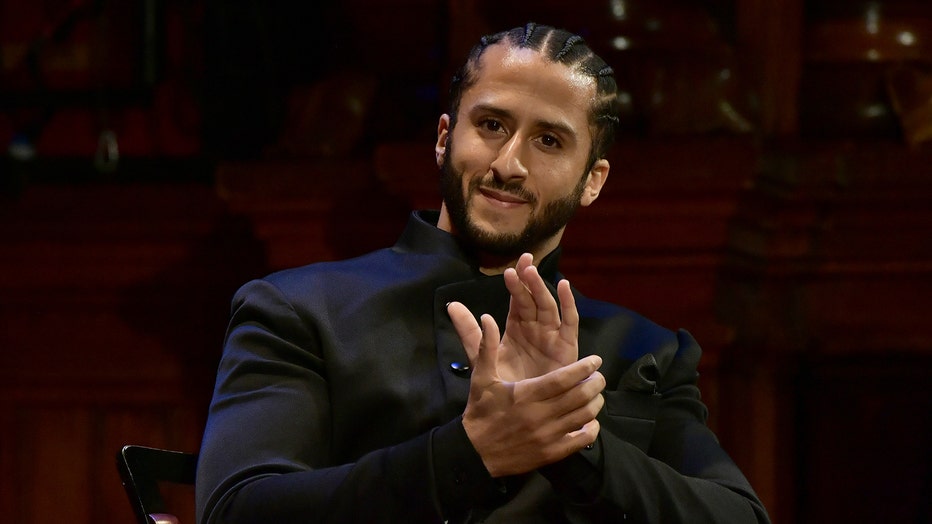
[443,129]
[597,176]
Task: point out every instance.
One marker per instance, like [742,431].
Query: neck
[496,265]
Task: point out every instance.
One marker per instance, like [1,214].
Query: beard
[542,224]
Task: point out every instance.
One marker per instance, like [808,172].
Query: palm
[529,349]
[539,337]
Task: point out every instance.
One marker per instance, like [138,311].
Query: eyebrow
[558,127]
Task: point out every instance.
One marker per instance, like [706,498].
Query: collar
[422,236]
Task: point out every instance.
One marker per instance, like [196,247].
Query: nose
[508,166]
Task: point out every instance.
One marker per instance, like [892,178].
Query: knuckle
[600,380]
[598,403]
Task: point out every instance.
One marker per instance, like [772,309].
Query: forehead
[524,78]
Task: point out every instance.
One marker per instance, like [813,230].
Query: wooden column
[827,288]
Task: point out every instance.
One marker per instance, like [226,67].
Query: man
[368,390]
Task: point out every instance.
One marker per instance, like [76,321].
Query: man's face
[540,226]
[514,165]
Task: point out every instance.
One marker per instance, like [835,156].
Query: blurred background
[770,193]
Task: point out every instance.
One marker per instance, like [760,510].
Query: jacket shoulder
[622,336]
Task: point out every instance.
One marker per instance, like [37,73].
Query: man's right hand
[520,426]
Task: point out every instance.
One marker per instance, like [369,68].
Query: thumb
[466,328]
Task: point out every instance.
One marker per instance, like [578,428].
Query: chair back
[143,469]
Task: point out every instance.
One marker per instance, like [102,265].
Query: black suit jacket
[340,392]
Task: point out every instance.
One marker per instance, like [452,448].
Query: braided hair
[560,46]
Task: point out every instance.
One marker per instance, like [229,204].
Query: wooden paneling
[114,300]
[803,267]
[829,263]
[860,419]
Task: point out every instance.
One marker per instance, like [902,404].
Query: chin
[497,226]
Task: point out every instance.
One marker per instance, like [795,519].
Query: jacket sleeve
[655,459]
[264,455]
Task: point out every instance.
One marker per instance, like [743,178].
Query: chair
[142,469]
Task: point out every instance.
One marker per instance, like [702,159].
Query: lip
[501,197]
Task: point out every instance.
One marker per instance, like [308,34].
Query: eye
[549,141]
[491,125]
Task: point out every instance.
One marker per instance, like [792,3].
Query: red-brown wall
[797,251]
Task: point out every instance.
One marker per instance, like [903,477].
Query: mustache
[490,182]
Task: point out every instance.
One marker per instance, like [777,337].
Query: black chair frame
[143,468]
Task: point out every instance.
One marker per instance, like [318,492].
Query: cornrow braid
[528,31]
[561,46]
[570,42]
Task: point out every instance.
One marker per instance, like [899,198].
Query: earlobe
[597,176]
[443,129]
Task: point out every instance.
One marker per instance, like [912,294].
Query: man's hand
[520,426]
[531,403]
[539,336]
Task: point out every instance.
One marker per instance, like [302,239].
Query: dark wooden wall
[762,213]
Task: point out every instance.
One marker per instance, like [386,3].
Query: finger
[581,413]
[487,358]
[577,405]
[587,388]
[582,437]
[576,440]
[524,261]
[546,313]
[466,328]
[569,327]
[527,307]
[522,307]
[558,381]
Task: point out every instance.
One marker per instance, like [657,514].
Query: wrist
[461,479]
